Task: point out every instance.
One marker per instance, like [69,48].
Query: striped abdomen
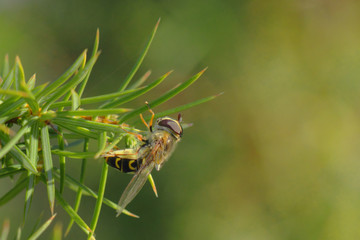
[123,164]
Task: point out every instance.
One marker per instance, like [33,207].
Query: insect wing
[135,185]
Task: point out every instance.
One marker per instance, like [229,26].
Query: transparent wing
[135,185]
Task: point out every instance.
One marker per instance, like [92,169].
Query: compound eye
[172,125]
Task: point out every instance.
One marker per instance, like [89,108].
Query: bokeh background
[275,157]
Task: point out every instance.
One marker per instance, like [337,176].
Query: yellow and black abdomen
[124,165]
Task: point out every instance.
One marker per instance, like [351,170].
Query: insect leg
[139,136]
[149,126]
[143,120]
[152,116]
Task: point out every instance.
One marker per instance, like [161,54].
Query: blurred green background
[275,157]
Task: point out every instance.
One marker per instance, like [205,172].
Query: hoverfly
[154,150]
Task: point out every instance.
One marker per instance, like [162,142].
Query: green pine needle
[5,230]
[29,194]
[140,59]
[14,191]
[79,192]
[48,166]
[99,200]
[40,231]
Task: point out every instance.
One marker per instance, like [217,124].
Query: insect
[154,150]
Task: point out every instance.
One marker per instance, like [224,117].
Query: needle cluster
[39,122]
